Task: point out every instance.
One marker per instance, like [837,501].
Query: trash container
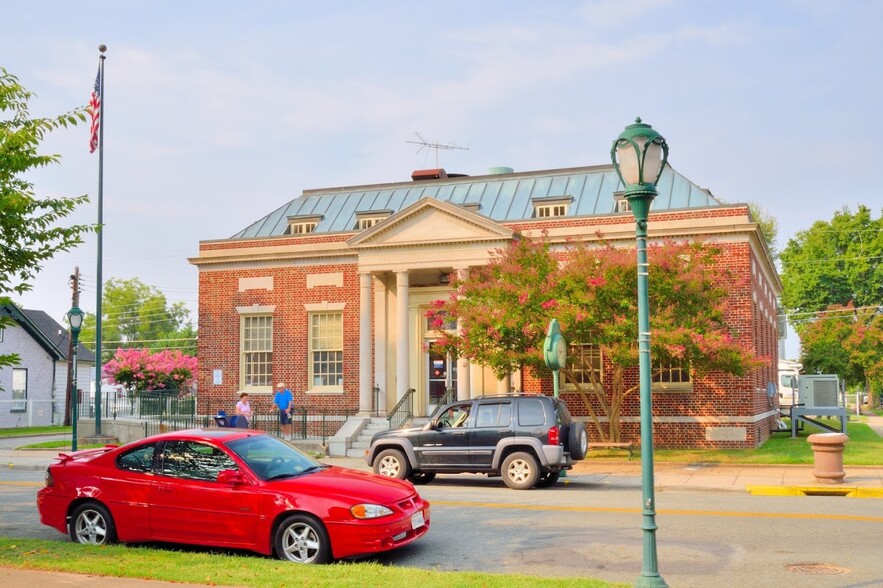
[827,449]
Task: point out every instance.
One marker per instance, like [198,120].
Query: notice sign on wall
[217,377]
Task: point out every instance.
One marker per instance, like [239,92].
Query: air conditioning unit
[819,391]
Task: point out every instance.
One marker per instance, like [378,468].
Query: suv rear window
[530,413]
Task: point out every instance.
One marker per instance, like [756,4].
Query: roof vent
[500,169]
[428,174]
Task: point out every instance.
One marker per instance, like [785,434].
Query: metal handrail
[402,411]
[446,399]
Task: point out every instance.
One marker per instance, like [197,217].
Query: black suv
[526,439]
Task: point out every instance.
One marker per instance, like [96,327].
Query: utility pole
[71,385]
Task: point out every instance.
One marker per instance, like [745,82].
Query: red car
[231,488]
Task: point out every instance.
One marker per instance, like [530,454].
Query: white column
[504,386]
[381,340]
[464,368]
[365,341]
[403,343]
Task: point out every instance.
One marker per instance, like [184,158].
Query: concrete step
[360,453]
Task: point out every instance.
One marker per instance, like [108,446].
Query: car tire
[92,524]
[421,477]
[577,441]
[520,471]
[302,538]
[548,479]
[392,464]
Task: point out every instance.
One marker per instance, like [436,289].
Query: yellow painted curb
[847,491]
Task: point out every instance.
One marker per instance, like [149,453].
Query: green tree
[503,311]
[30,232]
[135,315]
[846,341]
[834,262]
[769,227]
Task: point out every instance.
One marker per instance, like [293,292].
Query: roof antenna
[424,144]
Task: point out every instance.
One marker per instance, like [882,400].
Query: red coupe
[230,488]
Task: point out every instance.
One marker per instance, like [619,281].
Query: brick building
[328,293]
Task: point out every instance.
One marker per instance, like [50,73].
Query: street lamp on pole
[75,320]
[639,155]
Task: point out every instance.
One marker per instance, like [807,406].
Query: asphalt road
[582,529]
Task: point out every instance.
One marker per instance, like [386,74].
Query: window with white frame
[326,350]
[19,390]
[547,207]
[302,228]
[671,375]
[584,361]
[367,219]
[1,334]
[302,225]
[256,351]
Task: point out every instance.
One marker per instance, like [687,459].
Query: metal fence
[164,411]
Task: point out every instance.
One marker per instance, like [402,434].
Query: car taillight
[553,436]
[49,481]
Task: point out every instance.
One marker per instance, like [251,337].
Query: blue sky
[219,112]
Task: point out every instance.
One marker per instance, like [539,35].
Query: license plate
[417,520]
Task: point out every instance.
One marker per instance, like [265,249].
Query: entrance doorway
[441,375]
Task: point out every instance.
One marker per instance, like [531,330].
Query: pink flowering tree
[504,309]
[140,370]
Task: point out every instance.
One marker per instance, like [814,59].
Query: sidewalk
[860,481]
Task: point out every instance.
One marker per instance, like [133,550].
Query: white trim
[324,306]
[257,309]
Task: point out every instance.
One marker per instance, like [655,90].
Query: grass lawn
[198,566]
[865,447]
[25,431]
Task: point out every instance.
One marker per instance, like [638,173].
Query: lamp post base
[650,582]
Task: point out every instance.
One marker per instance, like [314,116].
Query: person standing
[243,411]
[284,403]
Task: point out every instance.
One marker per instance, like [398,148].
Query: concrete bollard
[827,449]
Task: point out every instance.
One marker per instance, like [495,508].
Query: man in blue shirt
[284,403]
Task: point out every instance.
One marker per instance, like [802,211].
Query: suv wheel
[520,471]
[577,441]
[392,464]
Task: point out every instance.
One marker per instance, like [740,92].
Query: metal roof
[502,197]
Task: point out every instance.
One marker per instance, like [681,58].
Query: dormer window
[366,220]
[302,225]
[549,207]
[620,202]
[472,207]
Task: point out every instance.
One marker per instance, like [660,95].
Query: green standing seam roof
[503,198]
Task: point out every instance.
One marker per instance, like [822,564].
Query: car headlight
[369,511]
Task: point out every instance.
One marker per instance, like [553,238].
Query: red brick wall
[715,395]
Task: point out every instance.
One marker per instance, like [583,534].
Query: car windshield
[272,459]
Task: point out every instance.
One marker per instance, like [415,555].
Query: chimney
[428,174]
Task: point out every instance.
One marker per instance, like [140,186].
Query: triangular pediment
[431,221]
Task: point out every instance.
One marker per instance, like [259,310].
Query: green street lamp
[639,155]
[75,320]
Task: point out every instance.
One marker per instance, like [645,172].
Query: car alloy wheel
[91,524]
[302,539]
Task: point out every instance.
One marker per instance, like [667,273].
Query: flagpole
[102,48]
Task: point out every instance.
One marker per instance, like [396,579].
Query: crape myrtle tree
[30,229]
[848,341]
[503,310]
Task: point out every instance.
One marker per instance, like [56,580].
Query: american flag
[95,111]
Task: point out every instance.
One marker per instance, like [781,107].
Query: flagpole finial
[102,47]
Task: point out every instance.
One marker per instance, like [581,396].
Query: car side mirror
[231,477]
